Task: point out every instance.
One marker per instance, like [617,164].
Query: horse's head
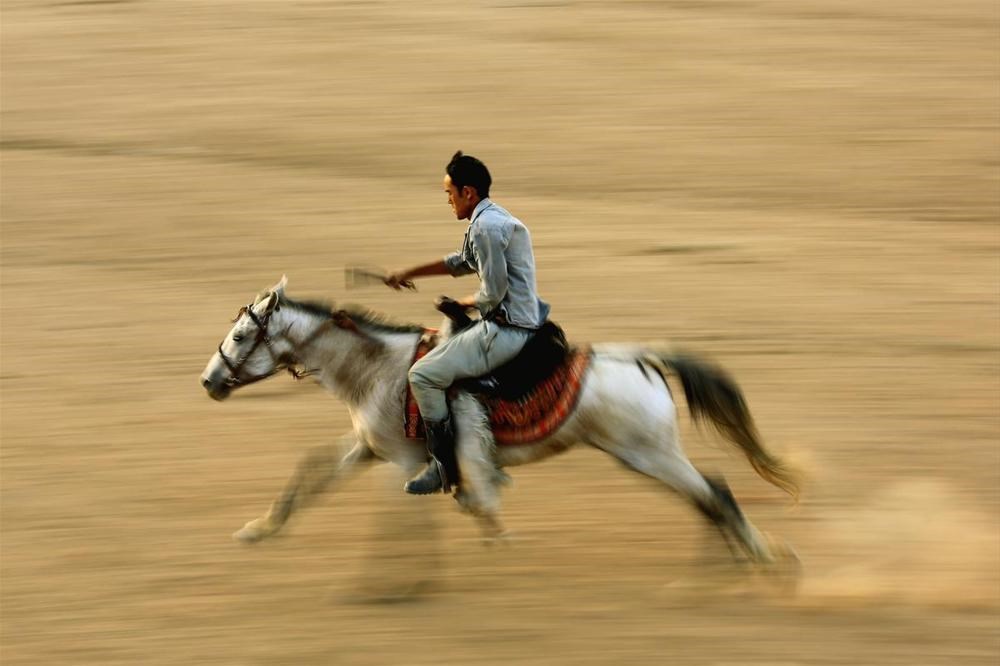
[247,354]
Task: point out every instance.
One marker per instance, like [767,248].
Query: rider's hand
[443,303]
[450,306]
[399,281]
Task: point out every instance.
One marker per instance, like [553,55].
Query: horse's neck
[350,363]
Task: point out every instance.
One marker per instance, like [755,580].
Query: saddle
[527,398]
[545,351]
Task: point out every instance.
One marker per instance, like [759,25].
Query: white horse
[625,409]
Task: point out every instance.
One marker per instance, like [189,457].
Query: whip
[356,277]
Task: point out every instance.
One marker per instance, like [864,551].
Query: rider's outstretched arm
[401,279]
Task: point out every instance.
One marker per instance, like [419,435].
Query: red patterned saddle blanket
[529,419]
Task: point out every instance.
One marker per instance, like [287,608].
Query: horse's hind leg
[314,474]
[727,516]
[668,464]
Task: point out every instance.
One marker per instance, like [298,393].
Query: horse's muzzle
[216,390]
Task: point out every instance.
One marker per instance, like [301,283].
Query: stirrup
[431,480]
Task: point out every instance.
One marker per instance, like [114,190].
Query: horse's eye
[237,338]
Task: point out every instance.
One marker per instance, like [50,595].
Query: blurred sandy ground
[806,191]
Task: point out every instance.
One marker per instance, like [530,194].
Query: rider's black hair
[467,170]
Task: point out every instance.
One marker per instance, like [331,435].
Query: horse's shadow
[403,559]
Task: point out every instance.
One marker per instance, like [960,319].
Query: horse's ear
[270,299]
[271,302]
[280,287]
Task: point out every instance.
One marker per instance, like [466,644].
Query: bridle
[281,362]
[235,379]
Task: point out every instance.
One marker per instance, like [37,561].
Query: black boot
[442,469]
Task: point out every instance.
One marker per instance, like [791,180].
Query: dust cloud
[914,542]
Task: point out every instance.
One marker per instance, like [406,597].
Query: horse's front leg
[315,472]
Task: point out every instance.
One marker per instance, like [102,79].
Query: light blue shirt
[497,247]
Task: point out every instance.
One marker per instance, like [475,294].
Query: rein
[338,318]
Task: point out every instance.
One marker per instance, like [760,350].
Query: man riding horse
[497,247]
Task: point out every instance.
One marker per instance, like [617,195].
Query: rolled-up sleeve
[456,264]
[461,262]
[489,243]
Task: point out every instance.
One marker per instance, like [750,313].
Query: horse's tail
[714,396]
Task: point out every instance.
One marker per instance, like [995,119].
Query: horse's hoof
[784,555]
[785,571]
[503,539]
[252,532]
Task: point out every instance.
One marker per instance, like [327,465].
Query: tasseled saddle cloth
[528,398]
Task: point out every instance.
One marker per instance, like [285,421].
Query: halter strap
[339,318]
[234,368]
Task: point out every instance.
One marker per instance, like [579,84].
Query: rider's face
[463,201]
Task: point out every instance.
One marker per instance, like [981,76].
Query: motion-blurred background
[806,191]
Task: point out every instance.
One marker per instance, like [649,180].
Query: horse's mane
[359,314]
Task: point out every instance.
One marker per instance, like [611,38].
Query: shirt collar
[480,207]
